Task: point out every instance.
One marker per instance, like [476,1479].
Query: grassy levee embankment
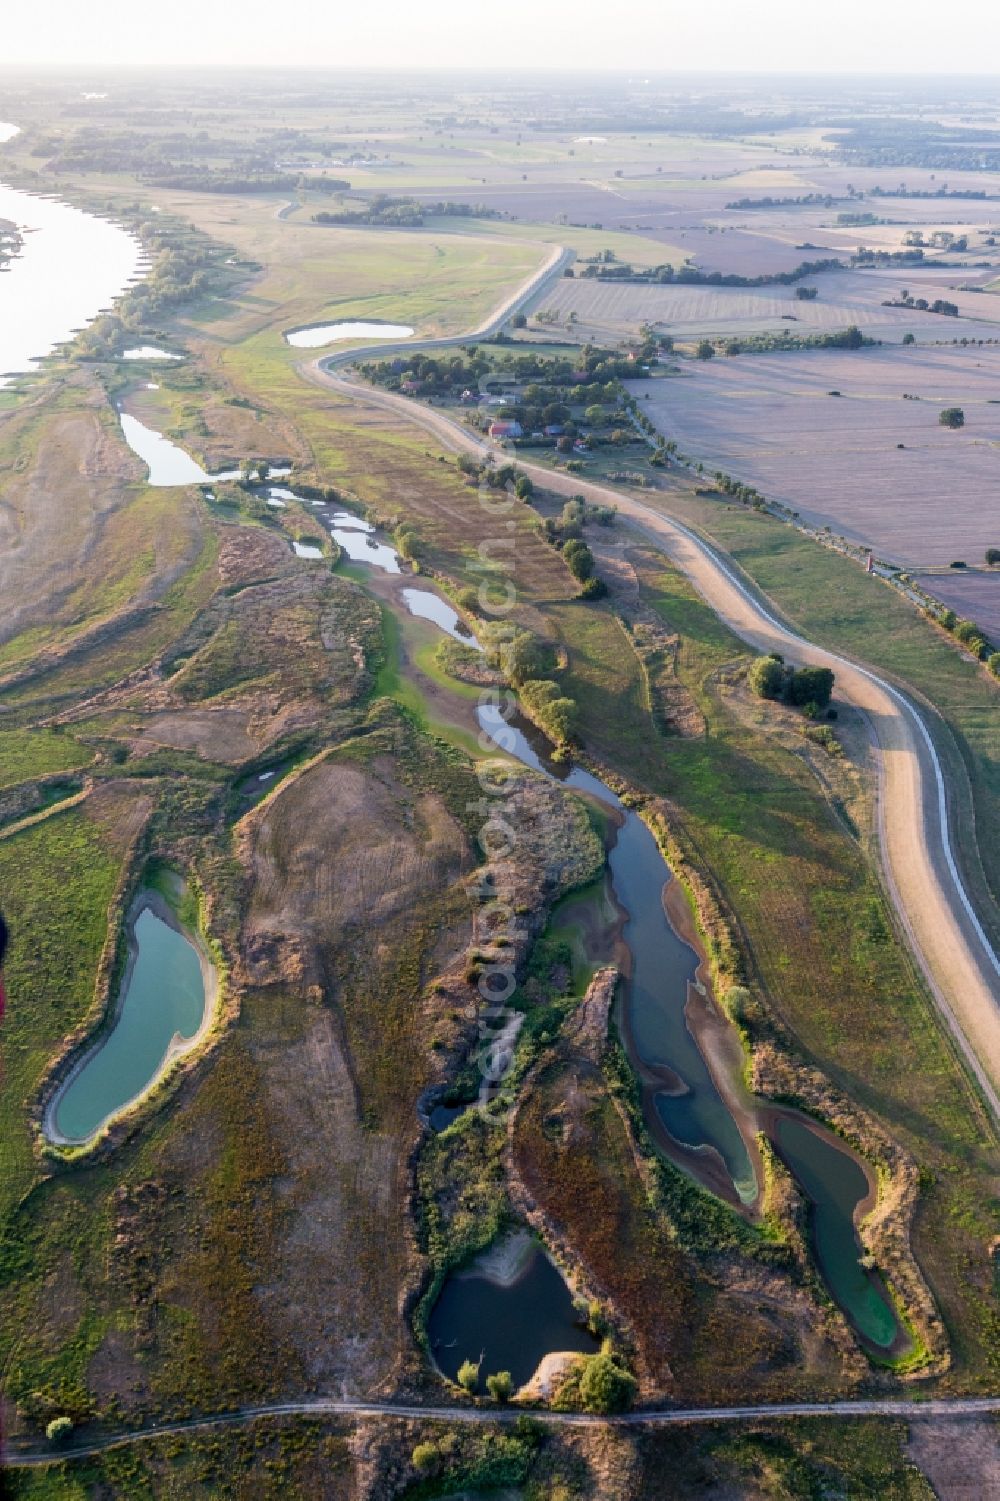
[832,601]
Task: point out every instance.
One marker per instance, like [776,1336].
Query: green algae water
[164,1001]
[835,1185]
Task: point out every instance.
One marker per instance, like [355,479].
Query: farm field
[973,595]
[771,421]
[613,310]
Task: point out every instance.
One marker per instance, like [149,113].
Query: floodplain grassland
[37,753]
[830,599]
[58,879]
[439,281]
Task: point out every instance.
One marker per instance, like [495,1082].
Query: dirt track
[956,1409]
[954,952]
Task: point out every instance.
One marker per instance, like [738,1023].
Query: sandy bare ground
[960,966]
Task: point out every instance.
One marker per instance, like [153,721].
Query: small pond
[162,1008]
[430,606]
[362,547]
[318,334]
[510,1307]
[835,1185]
[149,352]
[306,550]
[169,464]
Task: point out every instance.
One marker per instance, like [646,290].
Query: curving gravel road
[958,960]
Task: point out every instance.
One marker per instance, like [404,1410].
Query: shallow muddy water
[167,463]
[363,547]
[318,334]
[163,1006]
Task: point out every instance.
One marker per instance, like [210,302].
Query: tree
[993,663]
[606,1386]
[425,1457]
[767,677]
[993,555]
[523,488]
[909,339]
[705,350]
[811,685]
[556,715]
[468,1375]
[952,417]
[580,559]
[500,1386]
[594,416]
[58,1431]
[524,657]
[519,321]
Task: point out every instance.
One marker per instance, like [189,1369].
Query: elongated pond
[680,1094]
[161,1009]
[318,334]
[835,1186]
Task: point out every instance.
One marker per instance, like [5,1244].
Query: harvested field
[618,309]
[770,421]
[973,595]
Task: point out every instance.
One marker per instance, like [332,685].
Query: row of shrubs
[972,638]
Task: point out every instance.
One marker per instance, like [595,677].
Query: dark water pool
[510,1328]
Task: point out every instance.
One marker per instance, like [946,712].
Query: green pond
[835,1184]
[164,1000]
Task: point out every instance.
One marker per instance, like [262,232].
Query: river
[71,267]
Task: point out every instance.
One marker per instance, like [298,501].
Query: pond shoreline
[146,899]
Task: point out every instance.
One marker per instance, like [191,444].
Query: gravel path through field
[882,1407]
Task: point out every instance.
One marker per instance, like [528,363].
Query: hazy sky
[656,35]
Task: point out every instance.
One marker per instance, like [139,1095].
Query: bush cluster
[807,688]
